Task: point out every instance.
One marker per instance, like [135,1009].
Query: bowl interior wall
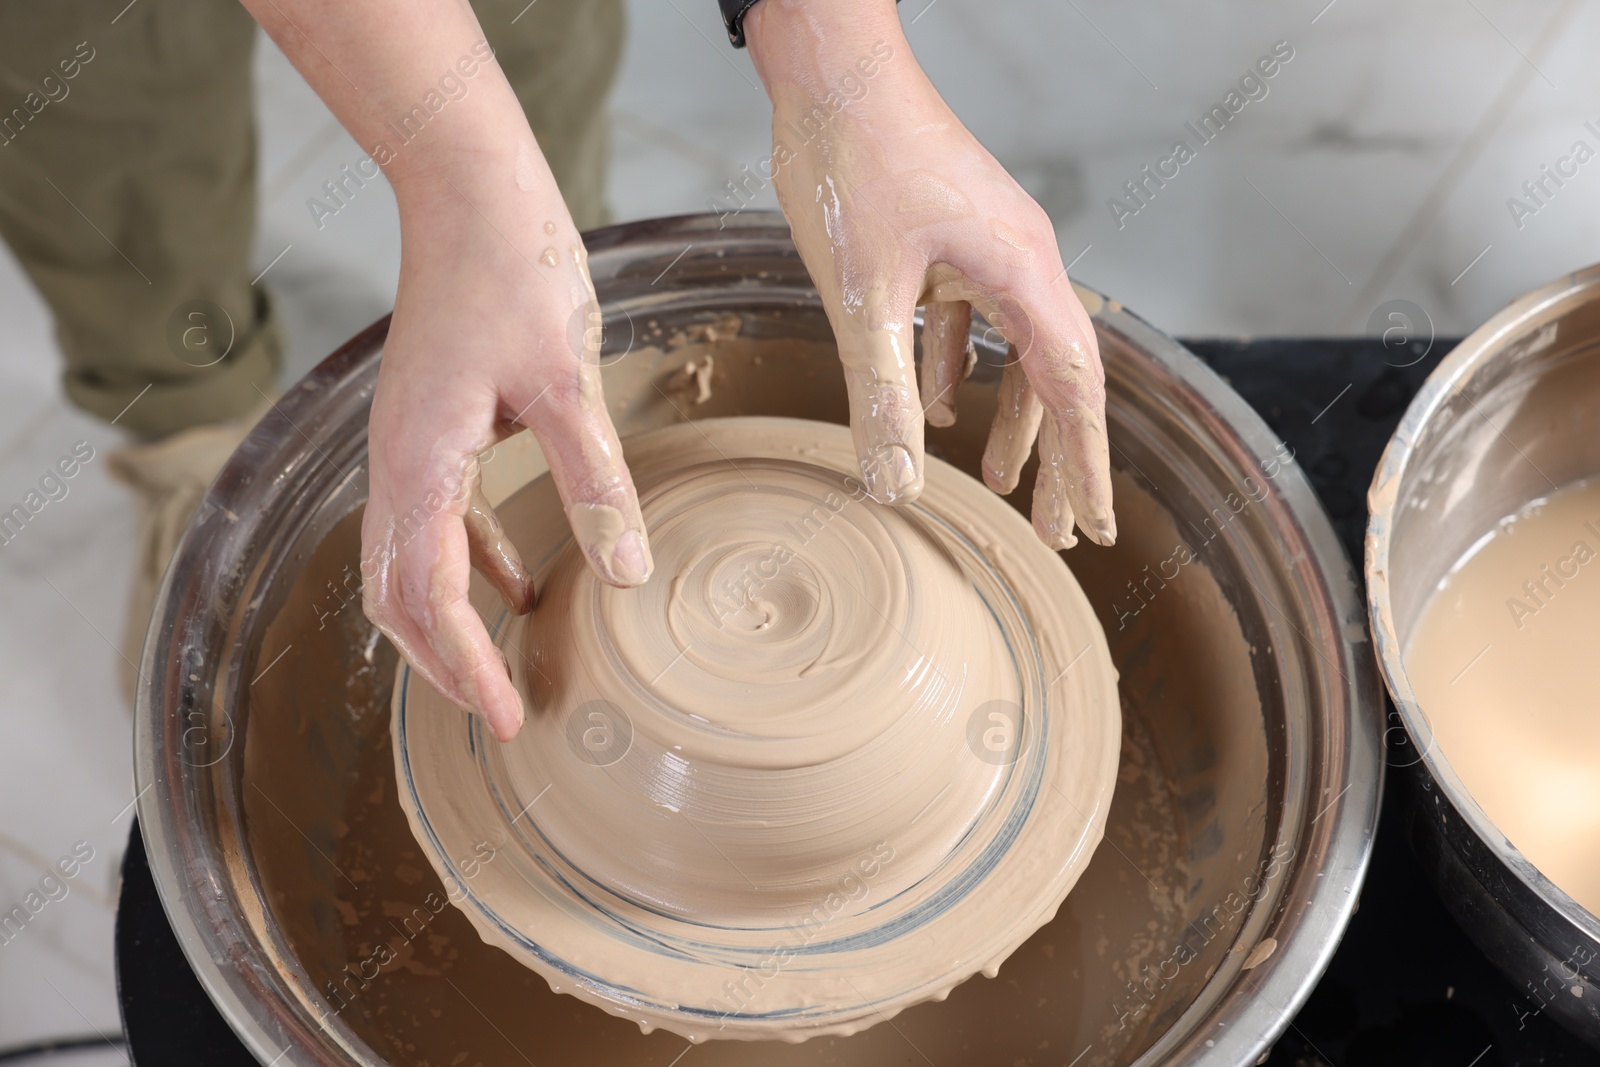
[1524,425]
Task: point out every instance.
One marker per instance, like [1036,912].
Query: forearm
[417,86]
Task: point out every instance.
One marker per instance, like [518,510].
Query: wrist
[500,181]
[477,150]
[818,42]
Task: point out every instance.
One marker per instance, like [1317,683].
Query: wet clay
[1503,661]
[816,691]
[381,954]
[494,555]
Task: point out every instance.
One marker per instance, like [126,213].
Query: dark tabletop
[1406,988]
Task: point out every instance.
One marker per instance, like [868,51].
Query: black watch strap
[733,18]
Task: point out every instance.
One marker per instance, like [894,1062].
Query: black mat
[1406,988]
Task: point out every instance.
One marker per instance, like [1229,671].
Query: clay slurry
[1503,663]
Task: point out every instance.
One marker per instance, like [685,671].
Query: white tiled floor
[1377,167]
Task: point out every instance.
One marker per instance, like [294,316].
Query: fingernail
[891,475]
[630,564]
[1003,478]
[1098,523]
[504,736]
[1102,529]
[995,478]
[1053,527]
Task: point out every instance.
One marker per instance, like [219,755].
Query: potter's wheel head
[833,759]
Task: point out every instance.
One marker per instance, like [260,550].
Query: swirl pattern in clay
[833,759]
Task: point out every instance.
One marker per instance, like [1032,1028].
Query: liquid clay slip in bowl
[833,759]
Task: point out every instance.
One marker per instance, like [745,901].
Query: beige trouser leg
[127,176]
[127,183]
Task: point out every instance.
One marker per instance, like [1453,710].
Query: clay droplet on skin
[1066,365]
[1007,235]
[550,258]
[590,393]
[924,192]
[550,228]
[944,283]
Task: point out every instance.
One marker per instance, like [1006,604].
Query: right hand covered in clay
[893,203]
[489,335]
[491,332]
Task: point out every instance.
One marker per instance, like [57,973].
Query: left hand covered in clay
[894,204]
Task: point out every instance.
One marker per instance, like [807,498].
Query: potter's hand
[488,332]
[893,203]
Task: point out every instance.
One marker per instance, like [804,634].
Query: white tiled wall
[1378,166]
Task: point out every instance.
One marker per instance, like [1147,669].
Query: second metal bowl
[1475,446]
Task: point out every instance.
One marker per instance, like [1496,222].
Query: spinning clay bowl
[830,761]
[1234,845]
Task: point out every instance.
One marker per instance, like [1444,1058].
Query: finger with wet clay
[885,414]
[1016,425]
[495,557]
[947,357]
[415,592]
[1052,507]
[1063,364]
[586,462]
